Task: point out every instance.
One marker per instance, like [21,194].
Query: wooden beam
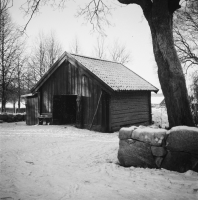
[96,110]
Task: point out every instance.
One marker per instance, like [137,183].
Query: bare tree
[75,46]
[100,48]
[5,5]
[186,42]
[46,51]
[20,78]
[10,48]
[159,15]
[53,49]
[118,53]
[186,34]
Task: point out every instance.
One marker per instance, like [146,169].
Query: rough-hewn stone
[183,139]
[158,161]
[175,150]
[124,142]
[149,135]
[158,151]
[177,161]
[137,154]
[126,132]
[194,161]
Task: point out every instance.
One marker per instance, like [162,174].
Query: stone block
[158,161]
[126,132]
[183,139]
[135,153]
[149,135]
[158,151]
[177,161]
[128,141]
[194,161]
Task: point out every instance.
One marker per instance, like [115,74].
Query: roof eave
[152,90]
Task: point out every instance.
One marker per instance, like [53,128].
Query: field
[63,162]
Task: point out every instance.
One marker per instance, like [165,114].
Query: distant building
[163,103]
[156,99]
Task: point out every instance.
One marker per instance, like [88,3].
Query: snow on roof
[115,75]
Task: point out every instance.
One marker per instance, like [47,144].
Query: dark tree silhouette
[159,15]
[10,49]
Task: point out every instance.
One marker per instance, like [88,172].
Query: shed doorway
[64,109]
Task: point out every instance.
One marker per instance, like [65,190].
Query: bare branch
[96,12]
[186,34]
[99,49]
[119,53]
[34,9]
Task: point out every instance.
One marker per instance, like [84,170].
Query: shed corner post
[39,103]
[79,122]
[150,109]
[109,107]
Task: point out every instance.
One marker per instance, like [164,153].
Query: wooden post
[150,110]
[79,111]
[96,110]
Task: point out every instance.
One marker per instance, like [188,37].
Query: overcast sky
[128,26]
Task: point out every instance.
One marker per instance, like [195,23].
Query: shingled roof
[115,75]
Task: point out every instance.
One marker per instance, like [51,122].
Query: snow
[183,128]
[160,117]
[10,105]
[63,162]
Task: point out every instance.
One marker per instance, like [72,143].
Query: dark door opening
[64,109]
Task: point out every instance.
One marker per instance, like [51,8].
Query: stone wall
[176,149]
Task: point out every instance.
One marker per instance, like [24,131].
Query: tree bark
[159,15]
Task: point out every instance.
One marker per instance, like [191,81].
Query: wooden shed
[92,94]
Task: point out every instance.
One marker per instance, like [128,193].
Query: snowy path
[62,162]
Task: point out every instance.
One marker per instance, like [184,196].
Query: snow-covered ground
[159,116]
[62,162]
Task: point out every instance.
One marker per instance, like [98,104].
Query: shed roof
[114,75]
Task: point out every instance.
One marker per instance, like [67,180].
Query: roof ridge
[94,58]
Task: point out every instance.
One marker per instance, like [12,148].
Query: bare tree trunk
[3,103]
[3,94]
[14,107]
[170,72]
[19,102]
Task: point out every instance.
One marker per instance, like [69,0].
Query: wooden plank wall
[32,111]
[68,79]
[129,108]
